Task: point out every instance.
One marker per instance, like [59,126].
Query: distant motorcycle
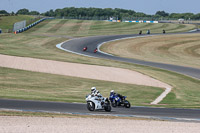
[95,50]
[95,103]
[85,48]
[163,31]
[119,101]
[148,31]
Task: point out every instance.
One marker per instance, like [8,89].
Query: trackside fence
[30,25]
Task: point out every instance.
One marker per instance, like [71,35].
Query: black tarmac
[79,108]
[77,45]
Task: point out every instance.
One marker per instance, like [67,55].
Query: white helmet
[112,91]
[93,88]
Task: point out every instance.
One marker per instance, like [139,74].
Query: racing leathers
[98,96]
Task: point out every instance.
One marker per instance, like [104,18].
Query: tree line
[106,13]
[21,12]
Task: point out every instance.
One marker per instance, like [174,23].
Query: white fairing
[96,100]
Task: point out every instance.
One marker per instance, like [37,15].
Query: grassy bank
[28,85]
[181,50]
[90,28]
[18,84]
[7,22]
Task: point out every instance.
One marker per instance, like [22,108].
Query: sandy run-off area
[17,124]
[80,70]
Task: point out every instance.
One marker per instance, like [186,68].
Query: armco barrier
[31,25]
[140,21]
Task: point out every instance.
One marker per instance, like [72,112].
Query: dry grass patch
[172,49]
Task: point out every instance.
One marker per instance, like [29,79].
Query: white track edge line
[116,115]
[59,46]
[156,101]
[162,96]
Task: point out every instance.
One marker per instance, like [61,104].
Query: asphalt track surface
[76,46]
[78,108]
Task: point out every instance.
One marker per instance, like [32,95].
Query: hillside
[6,22]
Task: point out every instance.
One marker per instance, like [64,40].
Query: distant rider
[163,31]
[148,31]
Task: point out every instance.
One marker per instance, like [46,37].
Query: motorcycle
[163,31]
[97,103]
[85,48]
[148,31]
[95,50]
[116,100]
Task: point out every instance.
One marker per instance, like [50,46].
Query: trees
[185,16]
[26,12]
[89,12]
[3,12]
[100,13]
[23,11]
[34,13]
[162,13]
[196,16]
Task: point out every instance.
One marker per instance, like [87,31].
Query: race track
[80,109]
[76,46]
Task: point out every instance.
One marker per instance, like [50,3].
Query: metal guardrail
[19,25]
[30,26]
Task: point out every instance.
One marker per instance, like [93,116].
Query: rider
[140,32]
[93,91]
[148,31]
[112,94]
[96,93]
[163,31]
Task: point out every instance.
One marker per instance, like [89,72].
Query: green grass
[28,85]
[91,28]
[57,26]
[18,84]
[8,21]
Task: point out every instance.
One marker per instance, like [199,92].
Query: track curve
[76,46]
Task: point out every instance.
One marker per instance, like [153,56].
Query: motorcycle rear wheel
[107,108]
[114,104]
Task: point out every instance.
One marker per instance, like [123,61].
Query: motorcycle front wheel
[90,106]
[127,104]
